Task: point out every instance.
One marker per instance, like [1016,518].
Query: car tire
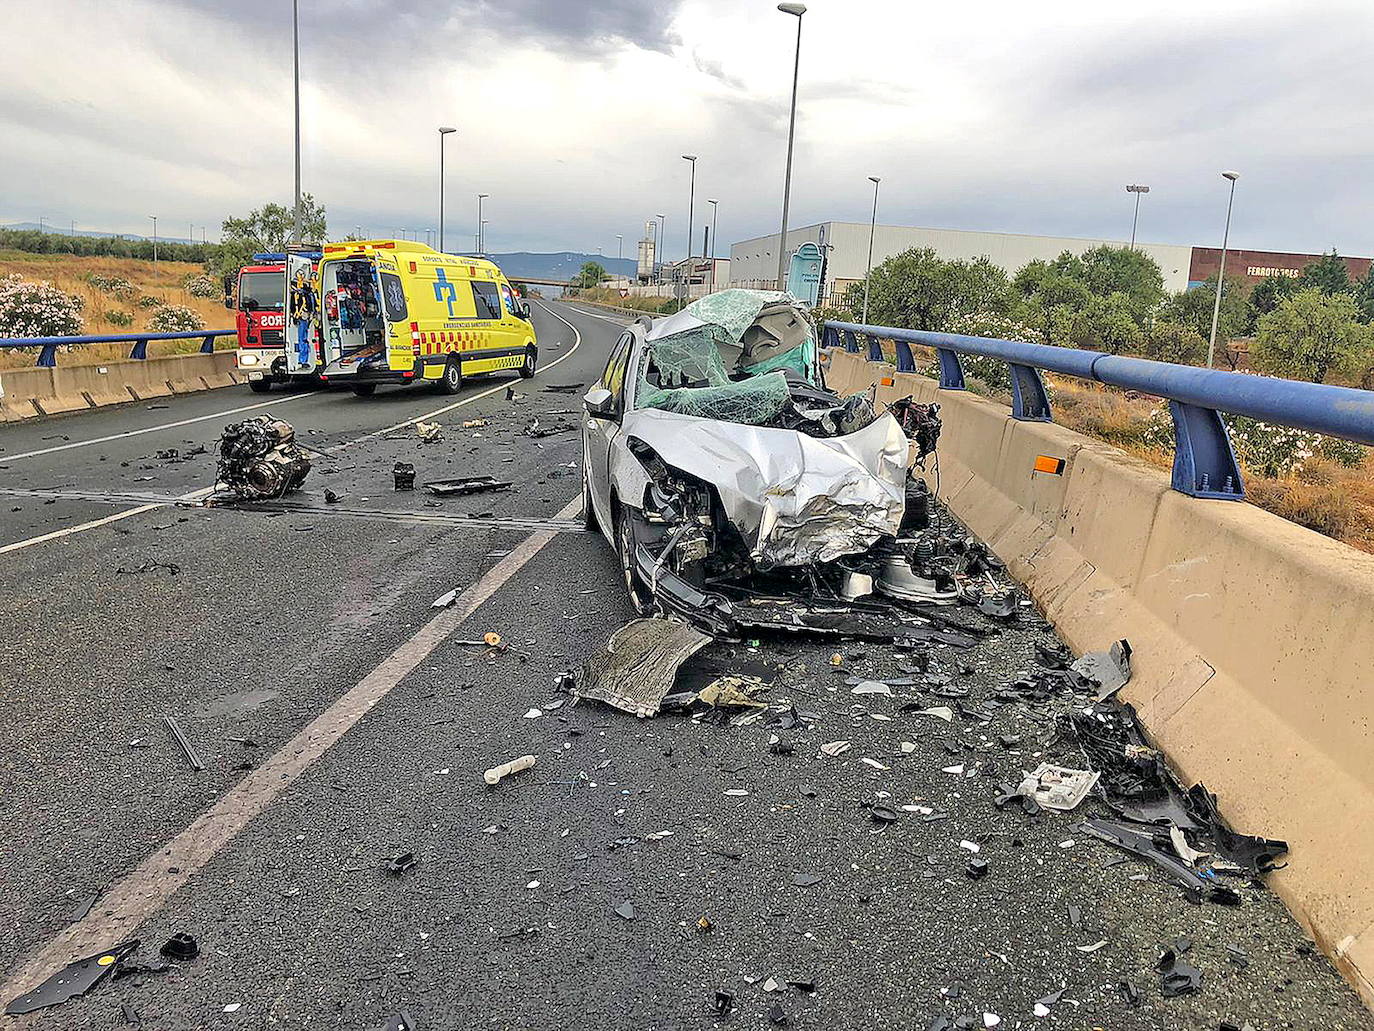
[588,511]
[259,386]
[365,389]
[452,379]
[641,599]
[527,368]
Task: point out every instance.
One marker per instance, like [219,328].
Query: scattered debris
[722,1003]
[129,1015]
[1176,977]
[494,775]
[1093,947]
[402,1021]
[640,661]
[806,880]
[943,712]
[332,497]
[535,428]
[429,432]
[259,458]
[1044,1004]
[445,600]
[977,868]
[466,485]
[733,692]
[625,910]
[75,979]
[834,749]
[187,748]
[181,947]
[1057,787]
[404,475]
[777,1015]
[1107,671]
[403,863]
[150,567]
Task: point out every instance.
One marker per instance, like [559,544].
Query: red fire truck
[260,304]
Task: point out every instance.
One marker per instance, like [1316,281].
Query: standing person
[303,311]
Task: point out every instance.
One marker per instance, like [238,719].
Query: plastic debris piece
[874,763]
[1108,671]
[871,687]
[72,980]
[1057,787]
[445,600]
[777,1015]
[908,747]
[180,946]
[1255,853]
[977,868]
[1093,947]
[1129,992]
[233,1007]
[192,756]
[943,712]
[400,864]
[704,925]
[1053,656]
[464,485]
[736,792]
[971,846]
[722,1004]
[835,748]
[636,669]
[1044,1004]
[939,1022]
[494,775]
[958,770]
[403,473]
[991,1020]
[1176,977]
[332,497]
[806,880]
[402,1021]
[771,985]
[626,911]
[733,692]
[129,1015]
[533,714]
[883,813]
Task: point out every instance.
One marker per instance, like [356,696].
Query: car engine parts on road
[259,458]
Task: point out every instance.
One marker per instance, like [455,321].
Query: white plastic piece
[494,775]
[1057,787]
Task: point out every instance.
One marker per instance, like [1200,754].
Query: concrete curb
[32,392]
[1253,637]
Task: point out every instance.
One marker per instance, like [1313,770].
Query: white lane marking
[148,429]
[140,893]
[608,318]
[17,545]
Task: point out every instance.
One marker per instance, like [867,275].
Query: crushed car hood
[795,499]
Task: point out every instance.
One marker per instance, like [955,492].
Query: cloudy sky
[573,114]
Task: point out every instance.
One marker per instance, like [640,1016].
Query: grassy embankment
[69,273]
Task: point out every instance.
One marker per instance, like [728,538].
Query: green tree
[1193,308]
[918,290]
[1312,334]
[1267,295]
[268,228]
[591,274]
[1120,270]
[1103,299]
[1109,324]
[1173,342]
[1327,274]
[1364,295]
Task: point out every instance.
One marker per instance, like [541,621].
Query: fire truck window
[393,297]
[263,289]
[488,300]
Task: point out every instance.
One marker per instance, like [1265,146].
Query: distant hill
[560,265]
[61,230]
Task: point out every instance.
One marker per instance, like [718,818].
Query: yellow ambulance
[393,311]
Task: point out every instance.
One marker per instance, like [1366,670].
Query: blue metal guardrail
[1204,464]
[47,355]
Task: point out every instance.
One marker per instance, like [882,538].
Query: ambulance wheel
[365,389]
[452,379]
[531,360]
[259,386]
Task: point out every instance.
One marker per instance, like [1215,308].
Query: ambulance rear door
[395,314]
[302,313]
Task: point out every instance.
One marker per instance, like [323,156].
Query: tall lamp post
[482,231]
[1137,190]
[480,241]
[691,204]
[1221,272]
[296,84]
[872,228]
[154,218]
[662,245]
[796,10]
[715,212]
[444,130]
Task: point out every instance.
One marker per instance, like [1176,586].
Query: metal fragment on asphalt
[637,667]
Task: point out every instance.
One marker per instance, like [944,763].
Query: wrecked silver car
[733,483]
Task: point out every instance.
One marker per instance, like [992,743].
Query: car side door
[601,431]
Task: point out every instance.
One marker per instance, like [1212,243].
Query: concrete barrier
[1253,638]
[69,388]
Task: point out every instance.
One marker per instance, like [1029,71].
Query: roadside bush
[202,286]
[1174,342]
[1262,447]
[37,309]
[991,372]
[173,318]
[1311,335]
[149,301]
[115,317]
[116,285]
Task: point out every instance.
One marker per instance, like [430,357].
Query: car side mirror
[229,303]
[525,310]
[600,403]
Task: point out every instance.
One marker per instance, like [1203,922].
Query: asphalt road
[310,634]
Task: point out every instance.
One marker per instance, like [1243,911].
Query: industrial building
[844,247]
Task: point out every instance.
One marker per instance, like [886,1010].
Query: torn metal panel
[639,664]
[466,485]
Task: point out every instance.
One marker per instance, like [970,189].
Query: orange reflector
[887,381]
[1046,464]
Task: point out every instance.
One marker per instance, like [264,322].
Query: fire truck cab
[259,302]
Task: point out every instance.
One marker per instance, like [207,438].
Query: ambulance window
[487,299]
[393,297]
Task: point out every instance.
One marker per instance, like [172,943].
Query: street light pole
[481,238]
[1137,190]
[872,228]
[1221,272]
[154,218]
[296,80]
[691,204]
[662,245]
[715,212]
[796,10]
[444,130]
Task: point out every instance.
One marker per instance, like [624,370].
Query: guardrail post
[875,348]
[1204,464]
[1029,402]
[951,371]
[208,346]
[906,361]
[47,356]
[830,337]
[139,350]
[850,344]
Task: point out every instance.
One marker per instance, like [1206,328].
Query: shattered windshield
[736,356]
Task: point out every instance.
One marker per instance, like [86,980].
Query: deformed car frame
[737,490]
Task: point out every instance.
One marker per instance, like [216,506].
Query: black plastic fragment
[723,1003]
[1106,672]
[1176,977]
[401,864]
[404,474]
[1140,842]
[129,1015]
[1053,656]
[1254,853]
[72,980]
[977,868]
[1130,993]
[778,1016]
[180,947]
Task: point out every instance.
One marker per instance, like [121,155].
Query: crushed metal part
[259,458]
[466,485]
[639,664]
[192,756]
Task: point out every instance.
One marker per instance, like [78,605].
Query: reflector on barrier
[1049,464]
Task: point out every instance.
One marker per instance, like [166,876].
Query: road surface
[344,721]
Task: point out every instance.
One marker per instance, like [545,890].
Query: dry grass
[68,273]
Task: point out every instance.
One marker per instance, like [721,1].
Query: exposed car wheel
[640,597]
[588,512]
[452,379]
[365,389]
[531,360]
[259,386]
